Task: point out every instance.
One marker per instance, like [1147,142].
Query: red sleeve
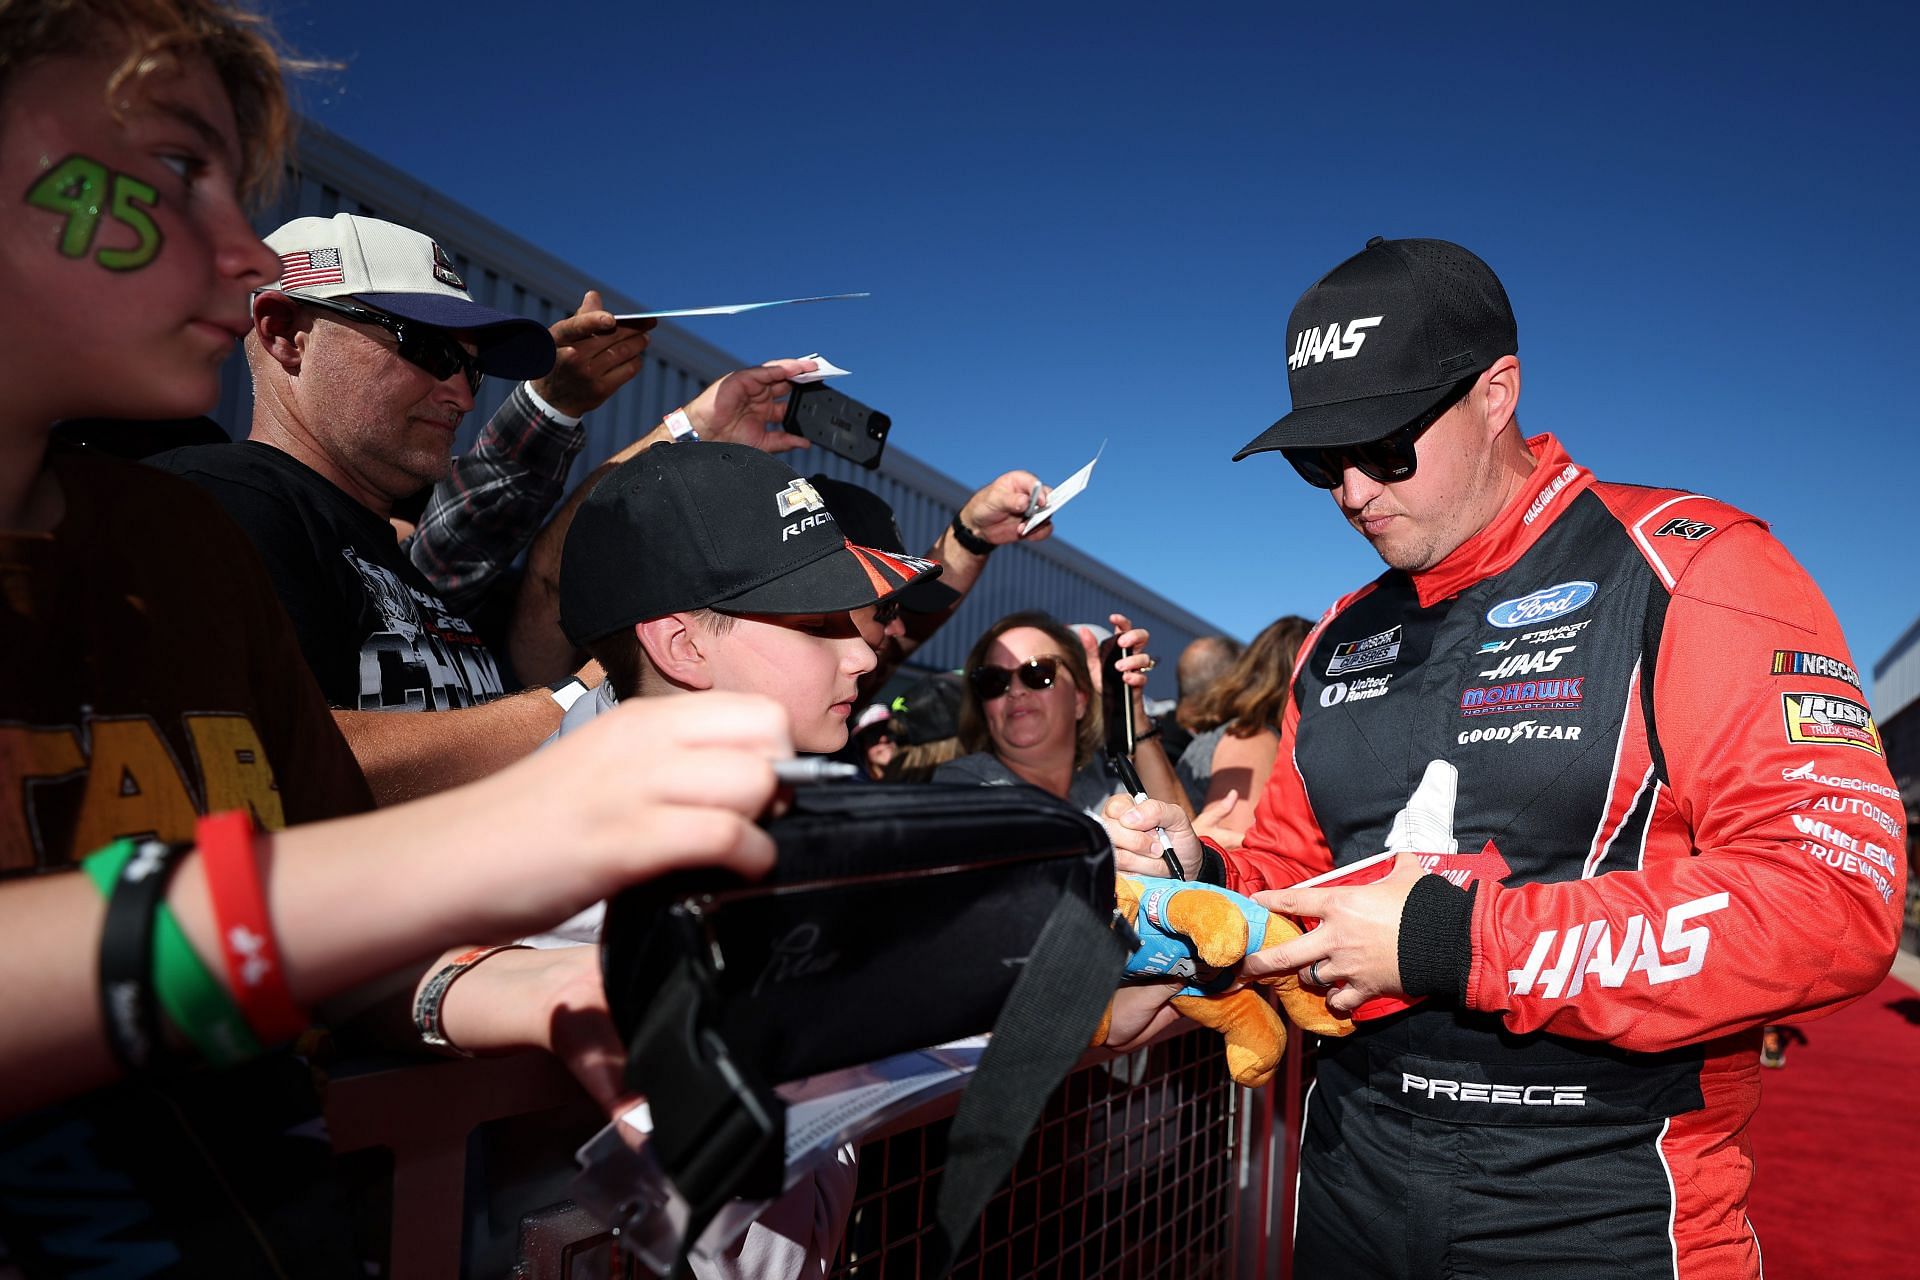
[1284,845]
[1771,885]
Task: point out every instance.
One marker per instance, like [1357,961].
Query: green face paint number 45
[76,188]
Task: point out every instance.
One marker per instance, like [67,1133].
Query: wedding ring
[1313,975]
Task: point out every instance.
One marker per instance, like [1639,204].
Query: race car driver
[1671,822]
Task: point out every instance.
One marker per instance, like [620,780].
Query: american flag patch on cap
[310,267]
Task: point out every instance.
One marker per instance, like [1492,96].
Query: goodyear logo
[1821,719]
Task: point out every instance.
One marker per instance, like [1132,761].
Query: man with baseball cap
[365,356]
[1646,781]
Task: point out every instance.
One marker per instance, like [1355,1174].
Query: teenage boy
[712,566]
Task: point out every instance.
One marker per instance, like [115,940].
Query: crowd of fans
[327,756]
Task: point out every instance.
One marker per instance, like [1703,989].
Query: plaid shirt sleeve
[483,515]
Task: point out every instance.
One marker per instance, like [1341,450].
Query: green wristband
[193,998]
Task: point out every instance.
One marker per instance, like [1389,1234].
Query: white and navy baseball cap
[395,269]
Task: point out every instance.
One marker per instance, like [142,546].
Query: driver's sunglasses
[887,611]
[1389,459]
[425,346]
[990,682]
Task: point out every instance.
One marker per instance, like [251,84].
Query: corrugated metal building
[502,270]
[1896,709]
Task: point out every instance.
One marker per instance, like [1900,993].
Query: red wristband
[254,967]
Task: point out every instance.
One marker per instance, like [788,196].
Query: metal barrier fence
[1131,1173]
[1149,1165]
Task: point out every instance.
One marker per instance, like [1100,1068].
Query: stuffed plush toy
[1200,933]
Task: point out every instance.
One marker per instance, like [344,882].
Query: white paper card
[733,308]
[1063,493]
[827,369]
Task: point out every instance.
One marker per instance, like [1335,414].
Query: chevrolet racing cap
[1382,338]
[868,521]
[394,269]
[707,525]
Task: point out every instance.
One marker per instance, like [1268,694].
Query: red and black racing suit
[1675,826]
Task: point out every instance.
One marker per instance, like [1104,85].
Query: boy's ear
[675,647]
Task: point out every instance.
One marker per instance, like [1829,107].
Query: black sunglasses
[422,345]
[886,611]
[1389,459]
[990,682]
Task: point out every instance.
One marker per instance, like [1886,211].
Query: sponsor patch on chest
[1523,695]
[1357,655]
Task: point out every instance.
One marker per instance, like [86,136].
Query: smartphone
[837,423]
[1116,704]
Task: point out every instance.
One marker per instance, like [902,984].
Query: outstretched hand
[595,357]
[746,406]
[997,512]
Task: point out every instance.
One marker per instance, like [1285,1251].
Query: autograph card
[734,308]
[1063,493]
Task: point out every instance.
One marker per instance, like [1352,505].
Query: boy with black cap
[1619,705]
[714,566]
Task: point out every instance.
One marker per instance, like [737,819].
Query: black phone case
[837,423]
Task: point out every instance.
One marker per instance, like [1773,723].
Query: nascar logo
[1795,662]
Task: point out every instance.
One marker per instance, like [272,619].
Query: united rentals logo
[1822,720]
[799,496]
[1311,346]
[1357,655]
[1795,662]
[1523,695]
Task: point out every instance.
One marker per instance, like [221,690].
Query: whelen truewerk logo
[1823,719]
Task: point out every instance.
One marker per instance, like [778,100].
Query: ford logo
[1543,605]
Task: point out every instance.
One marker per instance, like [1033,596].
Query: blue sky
[1084,222]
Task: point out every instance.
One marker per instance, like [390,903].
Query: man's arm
[738,408]
[409,754]
[484,513]
[993,515]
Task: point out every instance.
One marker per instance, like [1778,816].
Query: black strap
[128,1007]
[1047,1022]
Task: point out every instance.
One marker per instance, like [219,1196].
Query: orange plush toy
[1200,933]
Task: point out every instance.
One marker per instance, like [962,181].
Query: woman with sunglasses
[1032,714]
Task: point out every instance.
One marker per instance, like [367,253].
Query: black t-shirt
[375,634]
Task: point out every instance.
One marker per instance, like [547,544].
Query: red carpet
[1836,1189]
